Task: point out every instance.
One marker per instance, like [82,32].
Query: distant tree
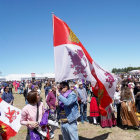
[124,70]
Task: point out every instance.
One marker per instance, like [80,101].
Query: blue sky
[109,30]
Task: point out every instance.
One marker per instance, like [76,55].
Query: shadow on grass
[101,137]
[88,117]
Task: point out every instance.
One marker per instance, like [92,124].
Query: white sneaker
[54,123]
[51,135]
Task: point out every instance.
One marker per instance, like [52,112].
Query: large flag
[105,86]
[9,120]
[73,61]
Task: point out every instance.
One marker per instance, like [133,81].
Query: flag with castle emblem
[9,120]
[72,61]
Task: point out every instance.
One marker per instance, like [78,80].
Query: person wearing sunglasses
[68,111]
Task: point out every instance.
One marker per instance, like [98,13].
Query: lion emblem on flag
[78,61]
[11,115]
[110,79]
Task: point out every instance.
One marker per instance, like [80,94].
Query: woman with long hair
[128,115]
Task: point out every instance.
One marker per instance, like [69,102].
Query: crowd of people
[67,104]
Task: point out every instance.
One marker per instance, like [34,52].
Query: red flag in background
[72,61]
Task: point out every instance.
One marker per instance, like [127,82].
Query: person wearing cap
[82,94]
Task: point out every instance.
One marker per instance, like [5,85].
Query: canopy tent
[135,72]
[49,75]
[19,77]
[2,79]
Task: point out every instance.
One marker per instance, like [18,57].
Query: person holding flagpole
[68,112]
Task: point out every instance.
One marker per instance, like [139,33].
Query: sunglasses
[62,87]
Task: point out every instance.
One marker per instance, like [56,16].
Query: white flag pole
[54,59]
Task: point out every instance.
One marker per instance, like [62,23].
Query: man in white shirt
[118,104]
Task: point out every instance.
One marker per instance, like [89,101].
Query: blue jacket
[70,106]
[7,97]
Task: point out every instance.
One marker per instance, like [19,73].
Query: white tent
[49,75]
[135,72]
[19,77]
[2,79]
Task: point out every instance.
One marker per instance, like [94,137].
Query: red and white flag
[72,61]
[9,120]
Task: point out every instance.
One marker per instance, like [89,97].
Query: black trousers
[118,114]
[10,89]
[28,135]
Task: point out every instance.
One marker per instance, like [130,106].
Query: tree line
[124,70]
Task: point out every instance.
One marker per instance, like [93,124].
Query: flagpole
[53,32]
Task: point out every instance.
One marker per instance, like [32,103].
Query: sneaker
[86,120]
[51,135]
[82,121]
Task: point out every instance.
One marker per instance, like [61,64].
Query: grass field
[86,131]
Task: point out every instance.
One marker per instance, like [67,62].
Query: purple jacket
[51,99]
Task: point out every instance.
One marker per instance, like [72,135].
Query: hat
[80,83]
[71,84]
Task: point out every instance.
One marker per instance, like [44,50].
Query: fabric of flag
[73,61]
[9,120]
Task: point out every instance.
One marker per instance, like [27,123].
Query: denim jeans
[83,111]
[21,91]
[69,131]
[18,90]
[26,102]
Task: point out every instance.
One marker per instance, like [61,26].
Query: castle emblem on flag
[11,115]
[77,62]
[72,37]
[2,129]
[100,95]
